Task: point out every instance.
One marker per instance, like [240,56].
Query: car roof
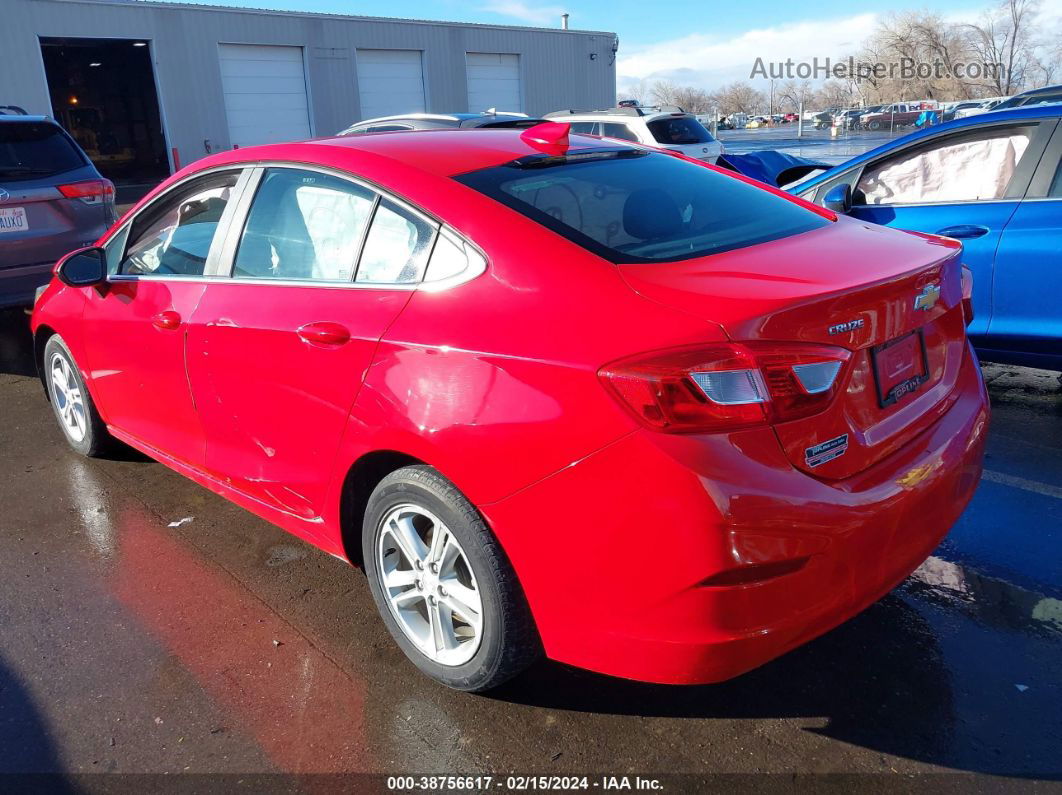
[969,122]
[443,152]
[1035,92]
[438,117]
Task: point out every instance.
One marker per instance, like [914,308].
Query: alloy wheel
[429,586]
[69,402]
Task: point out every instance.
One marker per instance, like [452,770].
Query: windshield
[679,130]
[31,150]
[634,206]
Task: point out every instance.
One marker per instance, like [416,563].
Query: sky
[695,43]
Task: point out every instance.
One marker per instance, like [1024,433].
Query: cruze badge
[927,299]
[842,328]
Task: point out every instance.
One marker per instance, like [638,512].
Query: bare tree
[793,94]
[1004,38]
[739,97]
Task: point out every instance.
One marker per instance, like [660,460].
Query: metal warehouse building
[143,84]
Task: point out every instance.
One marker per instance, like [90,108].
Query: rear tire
[72,404]
[442,583]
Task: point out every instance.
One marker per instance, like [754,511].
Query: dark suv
[52,200]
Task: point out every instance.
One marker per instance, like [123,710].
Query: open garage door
[390,82]
[493,81]
[103,92]
[265,93]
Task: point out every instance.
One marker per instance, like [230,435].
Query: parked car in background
[994,182]
[949,113]
[52,200]
[1037,96]
[437,354]
[980,107]
[443,121]
[664,127]
[898,114]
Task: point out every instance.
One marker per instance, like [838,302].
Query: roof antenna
[550,137]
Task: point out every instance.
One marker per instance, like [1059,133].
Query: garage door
[390,82]
[265,94]
[493,81]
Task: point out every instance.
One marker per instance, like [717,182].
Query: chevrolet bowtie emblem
[928,298]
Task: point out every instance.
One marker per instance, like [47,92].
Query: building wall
[557,69]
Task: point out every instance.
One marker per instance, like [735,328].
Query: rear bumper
[18,285]
[613,552]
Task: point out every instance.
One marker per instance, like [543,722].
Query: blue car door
[1027,313]
[965,184]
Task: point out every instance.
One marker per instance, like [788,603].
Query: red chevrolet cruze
[554,395]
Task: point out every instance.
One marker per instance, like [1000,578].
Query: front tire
[81,424]
[442,583]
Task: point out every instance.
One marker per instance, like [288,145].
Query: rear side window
[621,131]
[31,150]
[397,247]
[303,225]
[635,206]
[676,130]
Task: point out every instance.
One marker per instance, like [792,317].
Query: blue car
[993,181]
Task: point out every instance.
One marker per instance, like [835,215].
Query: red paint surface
[611,527]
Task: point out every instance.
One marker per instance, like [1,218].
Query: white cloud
[711,60]
[536,15]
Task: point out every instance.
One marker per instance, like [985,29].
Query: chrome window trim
[220,270]
[127,224]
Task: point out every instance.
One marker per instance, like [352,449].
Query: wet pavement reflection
[223,645]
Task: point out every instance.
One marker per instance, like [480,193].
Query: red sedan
[555,396]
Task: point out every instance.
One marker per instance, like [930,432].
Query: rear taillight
[728,386]
[92,191]
[967,295]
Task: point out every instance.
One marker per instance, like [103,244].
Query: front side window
[678,130]
[303,225]
[396,248]
[173,237]
[634,206]
[1055,191]
[961,168]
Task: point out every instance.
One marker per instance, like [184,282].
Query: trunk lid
[892,299]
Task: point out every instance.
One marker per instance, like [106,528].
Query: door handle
[167,320]
[324,333]
[964,231]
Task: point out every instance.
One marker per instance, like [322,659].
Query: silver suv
[52,200]
[666,127]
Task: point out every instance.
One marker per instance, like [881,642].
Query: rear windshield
[31,150]
[635,206]
[679,130]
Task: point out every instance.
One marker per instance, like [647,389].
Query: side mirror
[839,199]
[85,267]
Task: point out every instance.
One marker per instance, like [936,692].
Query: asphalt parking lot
[151,627]
[812,144]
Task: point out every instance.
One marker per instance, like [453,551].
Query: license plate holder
[901,366]
[13,219]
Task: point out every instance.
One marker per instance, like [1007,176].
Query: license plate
[13,219]
[900,367]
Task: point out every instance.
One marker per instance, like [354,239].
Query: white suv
[665,128]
